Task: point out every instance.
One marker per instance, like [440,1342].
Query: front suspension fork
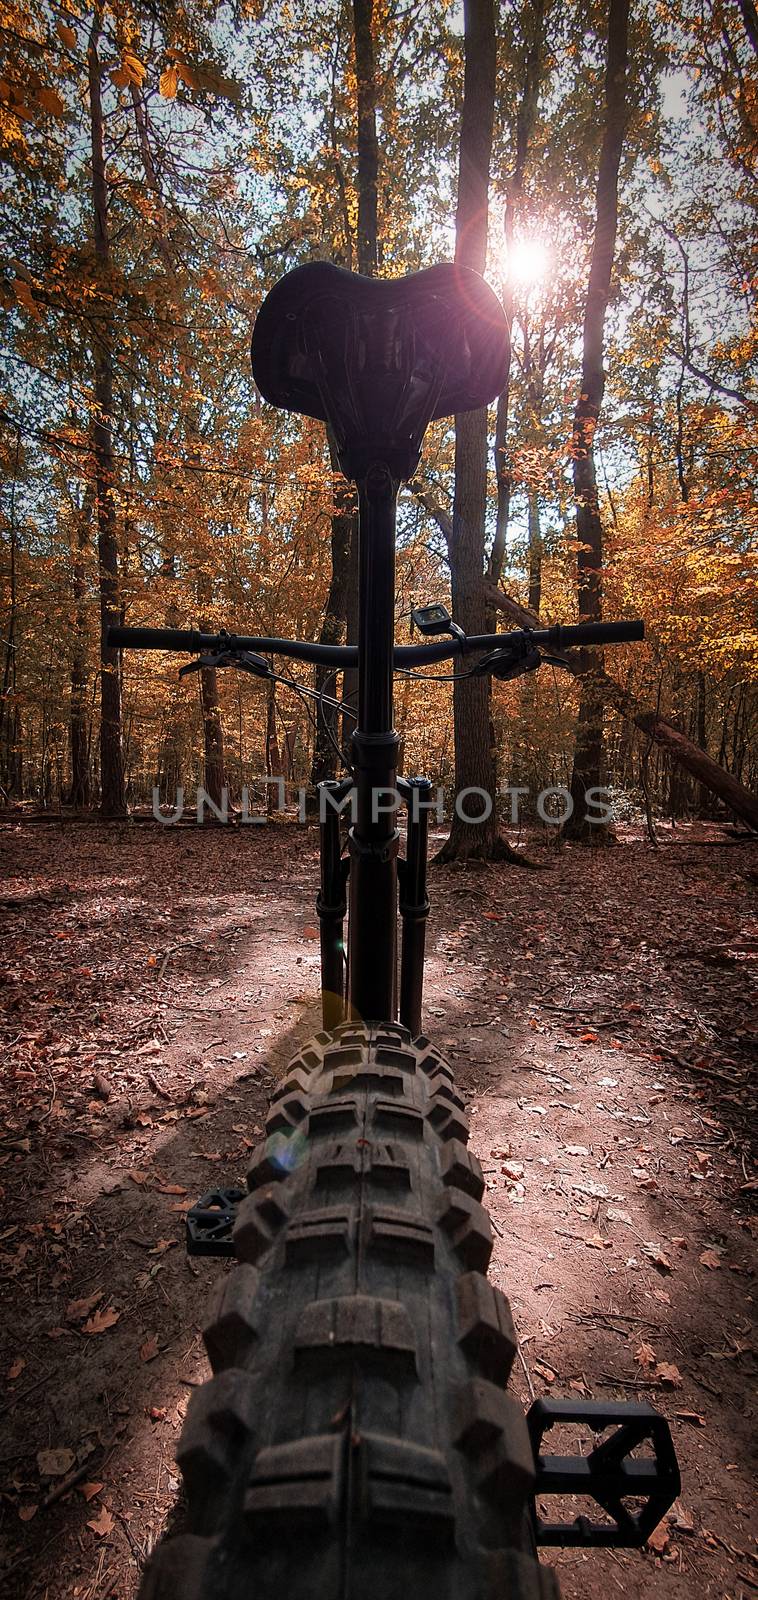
[414,901]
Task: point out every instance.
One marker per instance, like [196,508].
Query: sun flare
[527,261]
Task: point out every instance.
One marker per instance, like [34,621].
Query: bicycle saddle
[379,359]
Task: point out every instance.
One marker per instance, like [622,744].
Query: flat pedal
[610,1474]
[210,1223]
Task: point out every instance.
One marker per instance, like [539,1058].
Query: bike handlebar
[558,637]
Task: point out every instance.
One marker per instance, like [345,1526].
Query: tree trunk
[213,733]
[368,173]
[10,748]
[474,759]
[112,802]
[79,791]
[534,14]
[588,753]
[535,552]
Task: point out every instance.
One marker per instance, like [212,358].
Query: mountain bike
[357,1438]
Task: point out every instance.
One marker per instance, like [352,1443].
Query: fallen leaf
[658,1257]
[645,1355]
[701,1157]
[157,1413]
[598,1243]
[26,1512]
[55,1463]
[578,1386]
[575,1150]
[513,1171]
[107,1318]
[56,1333]
[310,933]
[15,1369]
[138,1177]
[89,1490]
[614,1215]
[103,1524]
[587,1038]
[149,1350]
[681,1519]
[77,1310]
[545,1372]
[681,1244]
[666,1373]
[711,1259]
[694,1417]
[492,916]
[658,1540]
[176,1188]
[162,1246]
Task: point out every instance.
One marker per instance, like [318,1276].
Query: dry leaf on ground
[107,1318]
[77,1310]
[149,1350]
[55,1463]
[103,1524]
[711,1259]
[666,1373]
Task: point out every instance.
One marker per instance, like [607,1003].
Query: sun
[527,262]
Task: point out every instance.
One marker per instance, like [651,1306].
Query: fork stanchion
[414,901]
[331,903]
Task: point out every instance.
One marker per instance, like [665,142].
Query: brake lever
[246,660]
[506,664]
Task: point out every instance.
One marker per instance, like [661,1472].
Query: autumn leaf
[27,1511]
[90,1490]
[659,1539]
[50,101]
[694,1417]
[658,1257]
[597,1242]
[103,1524]
[149,1350]
[66,34]
[645,1355]
[162,1246]
[167,83]
[711,1259]
[666,1373]
[55,1463]
[77,1310]
[15,1369]
[102,1320]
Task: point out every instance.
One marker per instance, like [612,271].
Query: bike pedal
[611,1474]
[210,1223]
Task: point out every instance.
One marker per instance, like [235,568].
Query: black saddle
[379,359]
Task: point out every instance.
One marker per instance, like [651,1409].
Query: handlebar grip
[597,633]
[155,639]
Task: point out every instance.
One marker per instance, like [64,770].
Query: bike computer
[431,619]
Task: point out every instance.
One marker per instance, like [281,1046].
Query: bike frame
[370,992]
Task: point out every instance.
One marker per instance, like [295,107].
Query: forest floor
[598,1015]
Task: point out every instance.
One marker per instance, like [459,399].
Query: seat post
[374,838]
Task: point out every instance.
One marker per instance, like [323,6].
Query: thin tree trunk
[474,757]
[368,174]
[79,791]
[10,748]
[534,17]
[535,552]
[213,733]
[112,802]
[589,751]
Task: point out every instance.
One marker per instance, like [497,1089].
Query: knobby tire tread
[356,1441]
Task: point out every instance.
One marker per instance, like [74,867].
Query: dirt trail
[598,1017]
